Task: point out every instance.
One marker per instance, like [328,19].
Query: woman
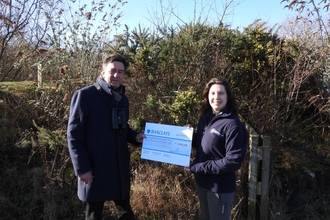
[221,141]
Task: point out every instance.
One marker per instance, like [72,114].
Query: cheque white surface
[167,143]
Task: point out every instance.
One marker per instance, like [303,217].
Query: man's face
[113,74]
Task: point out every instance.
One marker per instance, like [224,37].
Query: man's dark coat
[95,146]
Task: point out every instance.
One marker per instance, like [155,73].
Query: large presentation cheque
[167,143]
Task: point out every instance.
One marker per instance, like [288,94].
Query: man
[98,133]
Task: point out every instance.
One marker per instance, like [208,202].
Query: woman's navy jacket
[221,143]
[95,146]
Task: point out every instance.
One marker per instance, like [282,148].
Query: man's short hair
[115,57]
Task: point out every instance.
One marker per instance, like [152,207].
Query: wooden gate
[259,163]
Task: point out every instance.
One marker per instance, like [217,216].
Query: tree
[23,25]
[315,12]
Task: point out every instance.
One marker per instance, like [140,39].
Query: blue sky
[147,11]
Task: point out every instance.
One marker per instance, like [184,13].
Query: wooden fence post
[258,207]
[40,75]
[265,177]
[253,171]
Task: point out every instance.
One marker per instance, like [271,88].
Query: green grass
[17,86]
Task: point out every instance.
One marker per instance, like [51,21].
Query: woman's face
[217,97]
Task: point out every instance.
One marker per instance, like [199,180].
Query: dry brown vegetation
[38,181]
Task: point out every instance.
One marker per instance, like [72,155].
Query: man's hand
[139,138]
[87,178]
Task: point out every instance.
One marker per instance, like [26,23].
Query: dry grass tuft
[163,191]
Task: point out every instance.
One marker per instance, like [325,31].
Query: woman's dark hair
[206,107]
[115,57]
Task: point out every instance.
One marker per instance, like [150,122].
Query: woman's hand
[188,126]
[187,169]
